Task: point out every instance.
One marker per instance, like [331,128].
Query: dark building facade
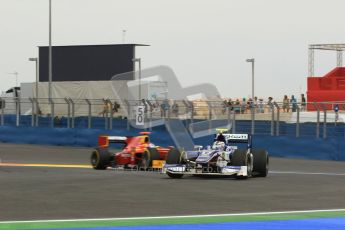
[87,62]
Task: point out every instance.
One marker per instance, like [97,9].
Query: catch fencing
[273,119]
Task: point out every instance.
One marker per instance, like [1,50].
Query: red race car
[137,153]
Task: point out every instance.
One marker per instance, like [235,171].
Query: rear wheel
[174,157]
[260,163]
[147,157]
[100,159]
[241,158]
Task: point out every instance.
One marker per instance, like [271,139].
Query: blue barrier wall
[332,148]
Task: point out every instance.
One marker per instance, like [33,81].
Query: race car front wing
[185,170]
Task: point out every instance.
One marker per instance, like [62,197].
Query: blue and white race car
[229,155]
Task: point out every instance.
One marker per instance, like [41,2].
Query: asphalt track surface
[31,193]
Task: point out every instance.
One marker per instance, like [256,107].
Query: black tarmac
[38,193]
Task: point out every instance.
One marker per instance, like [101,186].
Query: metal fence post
[252,111]
[187,110]
[324,133]
[150,117]
[73,112]
[2,111]
[17,111]
[324,122]
[297,122]
[344,109]
[128,113]
[229,113]
[278,117]
[32,112]
[89,114]
[68,113]
[169,113]
[38,111]
[234,122]
[51,112]
[105,114]
[191,115]
[209,106]
[317,120]
[110,115]
[272,120]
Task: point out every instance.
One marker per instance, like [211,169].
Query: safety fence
[320,120]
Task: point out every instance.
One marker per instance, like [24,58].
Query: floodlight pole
[50,52]
[252,60]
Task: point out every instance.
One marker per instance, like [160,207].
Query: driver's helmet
[218,145]
[151,145]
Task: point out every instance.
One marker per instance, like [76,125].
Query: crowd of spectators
[260,105]
[244,105]
[109,107]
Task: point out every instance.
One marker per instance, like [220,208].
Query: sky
[201,40]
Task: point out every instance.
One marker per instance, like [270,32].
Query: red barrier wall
[330,87]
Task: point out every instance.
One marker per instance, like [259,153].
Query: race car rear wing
[104,141]
[237,138]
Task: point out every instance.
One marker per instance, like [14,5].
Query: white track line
[175,217]
[307,173]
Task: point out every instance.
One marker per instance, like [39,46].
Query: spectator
[150,105]
[116,107]
[250,104]
[165,107]
[256,104]
[293,103]
[286,104]
[106,108]
[144,103]
[230,104]
[224,105]
[175,109]
[270,104]
[237,107]
[261,106]
[243,105]
[57,121]
[336,112]
[303,102]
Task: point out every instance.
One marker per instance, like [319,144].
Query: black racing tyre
[238,158]
[260,162]
[241,158]
[173,157]
[174,175]
[147,157]
[100,159]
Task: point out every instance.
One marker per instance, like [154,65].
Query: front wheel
[174,175]
[147,157]
[174,157]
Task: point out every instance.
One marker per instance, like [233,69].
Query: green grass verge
[171,221]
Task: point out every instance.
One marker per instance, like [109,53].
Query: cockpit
[218,145]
